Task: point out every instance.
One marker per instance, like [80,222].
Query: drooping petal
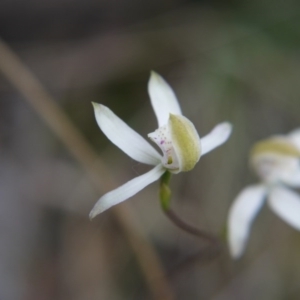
[294,136]
[241,214]
[286,204]
[124,137]
[216,137]
[162,98]
[126,191]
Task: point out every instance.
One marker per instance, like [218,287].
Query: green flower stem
[165,200]
[165,191]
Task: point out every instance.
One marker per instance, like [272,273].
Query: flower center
[275,159]
[162,138]
[273,168]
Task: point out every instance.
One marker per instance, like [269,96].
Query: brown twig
[206,254]
[189,228]
[36,95]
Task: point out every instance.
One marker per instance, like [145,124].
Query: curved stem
[205,254]
[189,228]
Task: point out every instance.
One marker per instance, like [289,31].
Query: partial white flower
[277,163]
[176,136]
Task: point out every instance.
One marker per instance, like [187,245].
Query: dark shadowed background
[236,60]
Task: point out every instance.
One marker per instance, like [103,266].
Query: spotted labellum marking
[162,138]
[179,143]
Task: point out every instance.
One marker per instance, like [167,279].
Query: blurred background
[236,60]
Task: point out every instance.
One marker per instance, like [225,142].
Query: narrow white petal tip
[163,99]
[154,75]
[99,109]
[111,199]
[237,244]
[126,190]
[286,204]
[100,206]
[96,105]
[236,251]
[92,215]
[241,215]
[225,130]
[157,81]
[218,136]
[96,211]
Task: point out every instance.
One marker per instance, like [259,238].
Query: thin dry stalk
[37,96]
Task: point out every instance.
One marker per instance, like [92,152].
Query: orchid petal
[286,204]
[294,136]
[128,140]
[186,142]
[242,212]
[126,191]
[162,98]
[216,137]
[292,178]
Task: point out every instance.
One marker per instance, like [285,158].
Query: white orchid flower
[176,136]
[277,163]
